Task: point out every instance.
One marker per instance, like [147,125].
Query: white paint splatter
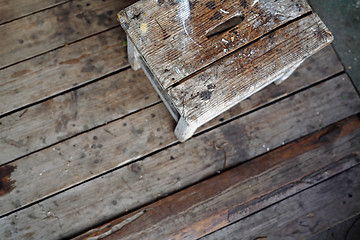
[224,40]
[177,70]
[184,14]
[143,27]
[223,11]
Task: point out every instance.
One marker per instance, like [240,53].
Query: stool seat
[203,57]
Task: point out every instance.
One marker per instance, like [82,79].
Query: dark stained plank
[138,183]
[303,215]
[250,187]
[62,69]
[55,27]
[175,45]
[13,9]
[17,138]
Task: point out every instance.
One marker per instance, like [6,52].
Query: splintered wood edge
[196,107]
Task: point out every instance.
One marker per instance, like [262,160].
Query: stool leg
[183,130]
[287,74]
[133,55]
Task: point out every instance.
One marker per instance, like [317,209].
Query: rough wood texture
[53,28]
[61,69]
[303,215]
[244,72]
[57,192]
[14,9]
[141,182]
[97,103]
[348,229]
[250,187]
[72,113]
[171,35]
[90,101]
[322,64]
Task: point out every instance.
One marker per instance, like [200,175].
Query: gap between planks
[246,189]
[61,70]
[64,24]
[141,174]
[165,138]
[131,79]
[88,100]
[303,215]
[17,9]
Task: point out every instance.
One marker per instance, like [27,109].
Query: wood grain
[55,119]
[162,173]
[55,27]
[244,72]
[339,230]
[15,9]
[248,188]
[175,45]
[62,69]
[322,65]
[64,116]
[72,113]
[303,215]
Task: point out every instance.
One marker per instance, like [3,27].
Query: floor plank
[138,183]
[55,27]
[302,215]
[62,69]
[347,230]
[133,92]
[243,190]
[15,9]
[73,113]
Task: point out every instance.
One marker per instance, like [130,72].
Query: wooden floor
[87,148]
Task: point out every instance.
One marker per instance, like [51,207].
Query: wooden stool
[203,57]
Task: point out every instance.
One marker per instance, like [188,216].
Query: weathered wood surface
[348,228]
[250,187]
[324,62]
[72,113]
[87,101]
[175,45]
[15,9]
[303,215]
[138,183]
[244,72]
[62,69]
[53,120]
[55,27]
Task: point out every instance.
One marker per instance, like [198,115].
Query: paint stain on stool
[205,95]
[143,27]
